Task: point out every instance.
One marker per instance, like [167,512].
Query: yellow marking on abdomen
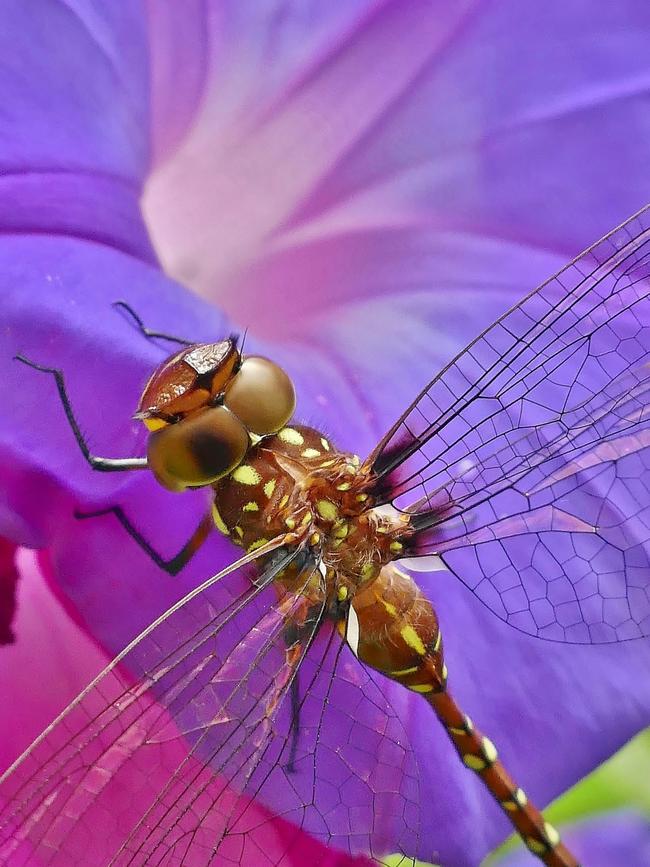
[246,475]
[476,763]
[489,750]
[420,687]
[552,835]
[413,640]
[258,543]
[401,672]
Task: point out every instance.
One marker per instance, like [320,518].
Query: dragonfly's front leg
[106,465]
[392,627]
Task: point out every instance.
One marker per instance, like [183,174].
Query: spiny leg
[149,333]
[106,465]
[174,564]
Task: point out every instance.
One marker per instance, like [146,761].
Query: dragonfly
[521,469]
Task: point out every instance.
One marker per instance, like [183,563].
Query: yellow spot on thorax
[258,543]
[292,436]
[269,487]
[327,510]
[250,507]
[325,444]
[153,424]
[246,475]
[413,640]
[310,453]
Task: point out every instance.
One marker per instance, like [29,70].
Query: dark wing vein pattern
[527,460]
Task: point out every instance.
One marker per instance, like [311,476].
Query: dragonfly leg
[149,333]
[106,465]
[479,753]
[174,564]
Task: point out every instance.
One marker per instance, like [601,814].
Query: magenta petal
[48,664]
[8,582]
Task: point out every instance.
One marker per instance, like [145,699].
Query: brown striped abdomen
[394,630]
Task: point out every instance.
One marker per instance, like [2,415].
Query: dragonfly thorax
[297,482]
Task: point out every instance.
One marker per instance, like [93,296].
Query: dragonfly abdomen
[479,753]
[394,629]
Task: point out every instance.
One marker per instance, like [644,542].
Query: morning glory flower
[364,186]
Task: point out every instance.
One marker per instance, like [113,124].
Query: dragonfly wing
[526,462]
[221,722]
[147,727]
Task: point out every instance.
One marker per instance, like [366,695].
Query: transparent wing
[527,460]
[217,735]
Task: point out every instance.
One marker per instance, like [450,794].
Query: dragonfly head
[205,405]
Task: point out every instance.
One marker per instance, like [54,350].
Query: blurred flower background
[364,185]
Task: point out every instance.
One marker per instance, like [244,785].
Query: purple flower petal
[611,840]
[74,147]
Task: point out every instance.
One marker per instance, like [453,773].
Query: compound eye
[261,395]
[197,450]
